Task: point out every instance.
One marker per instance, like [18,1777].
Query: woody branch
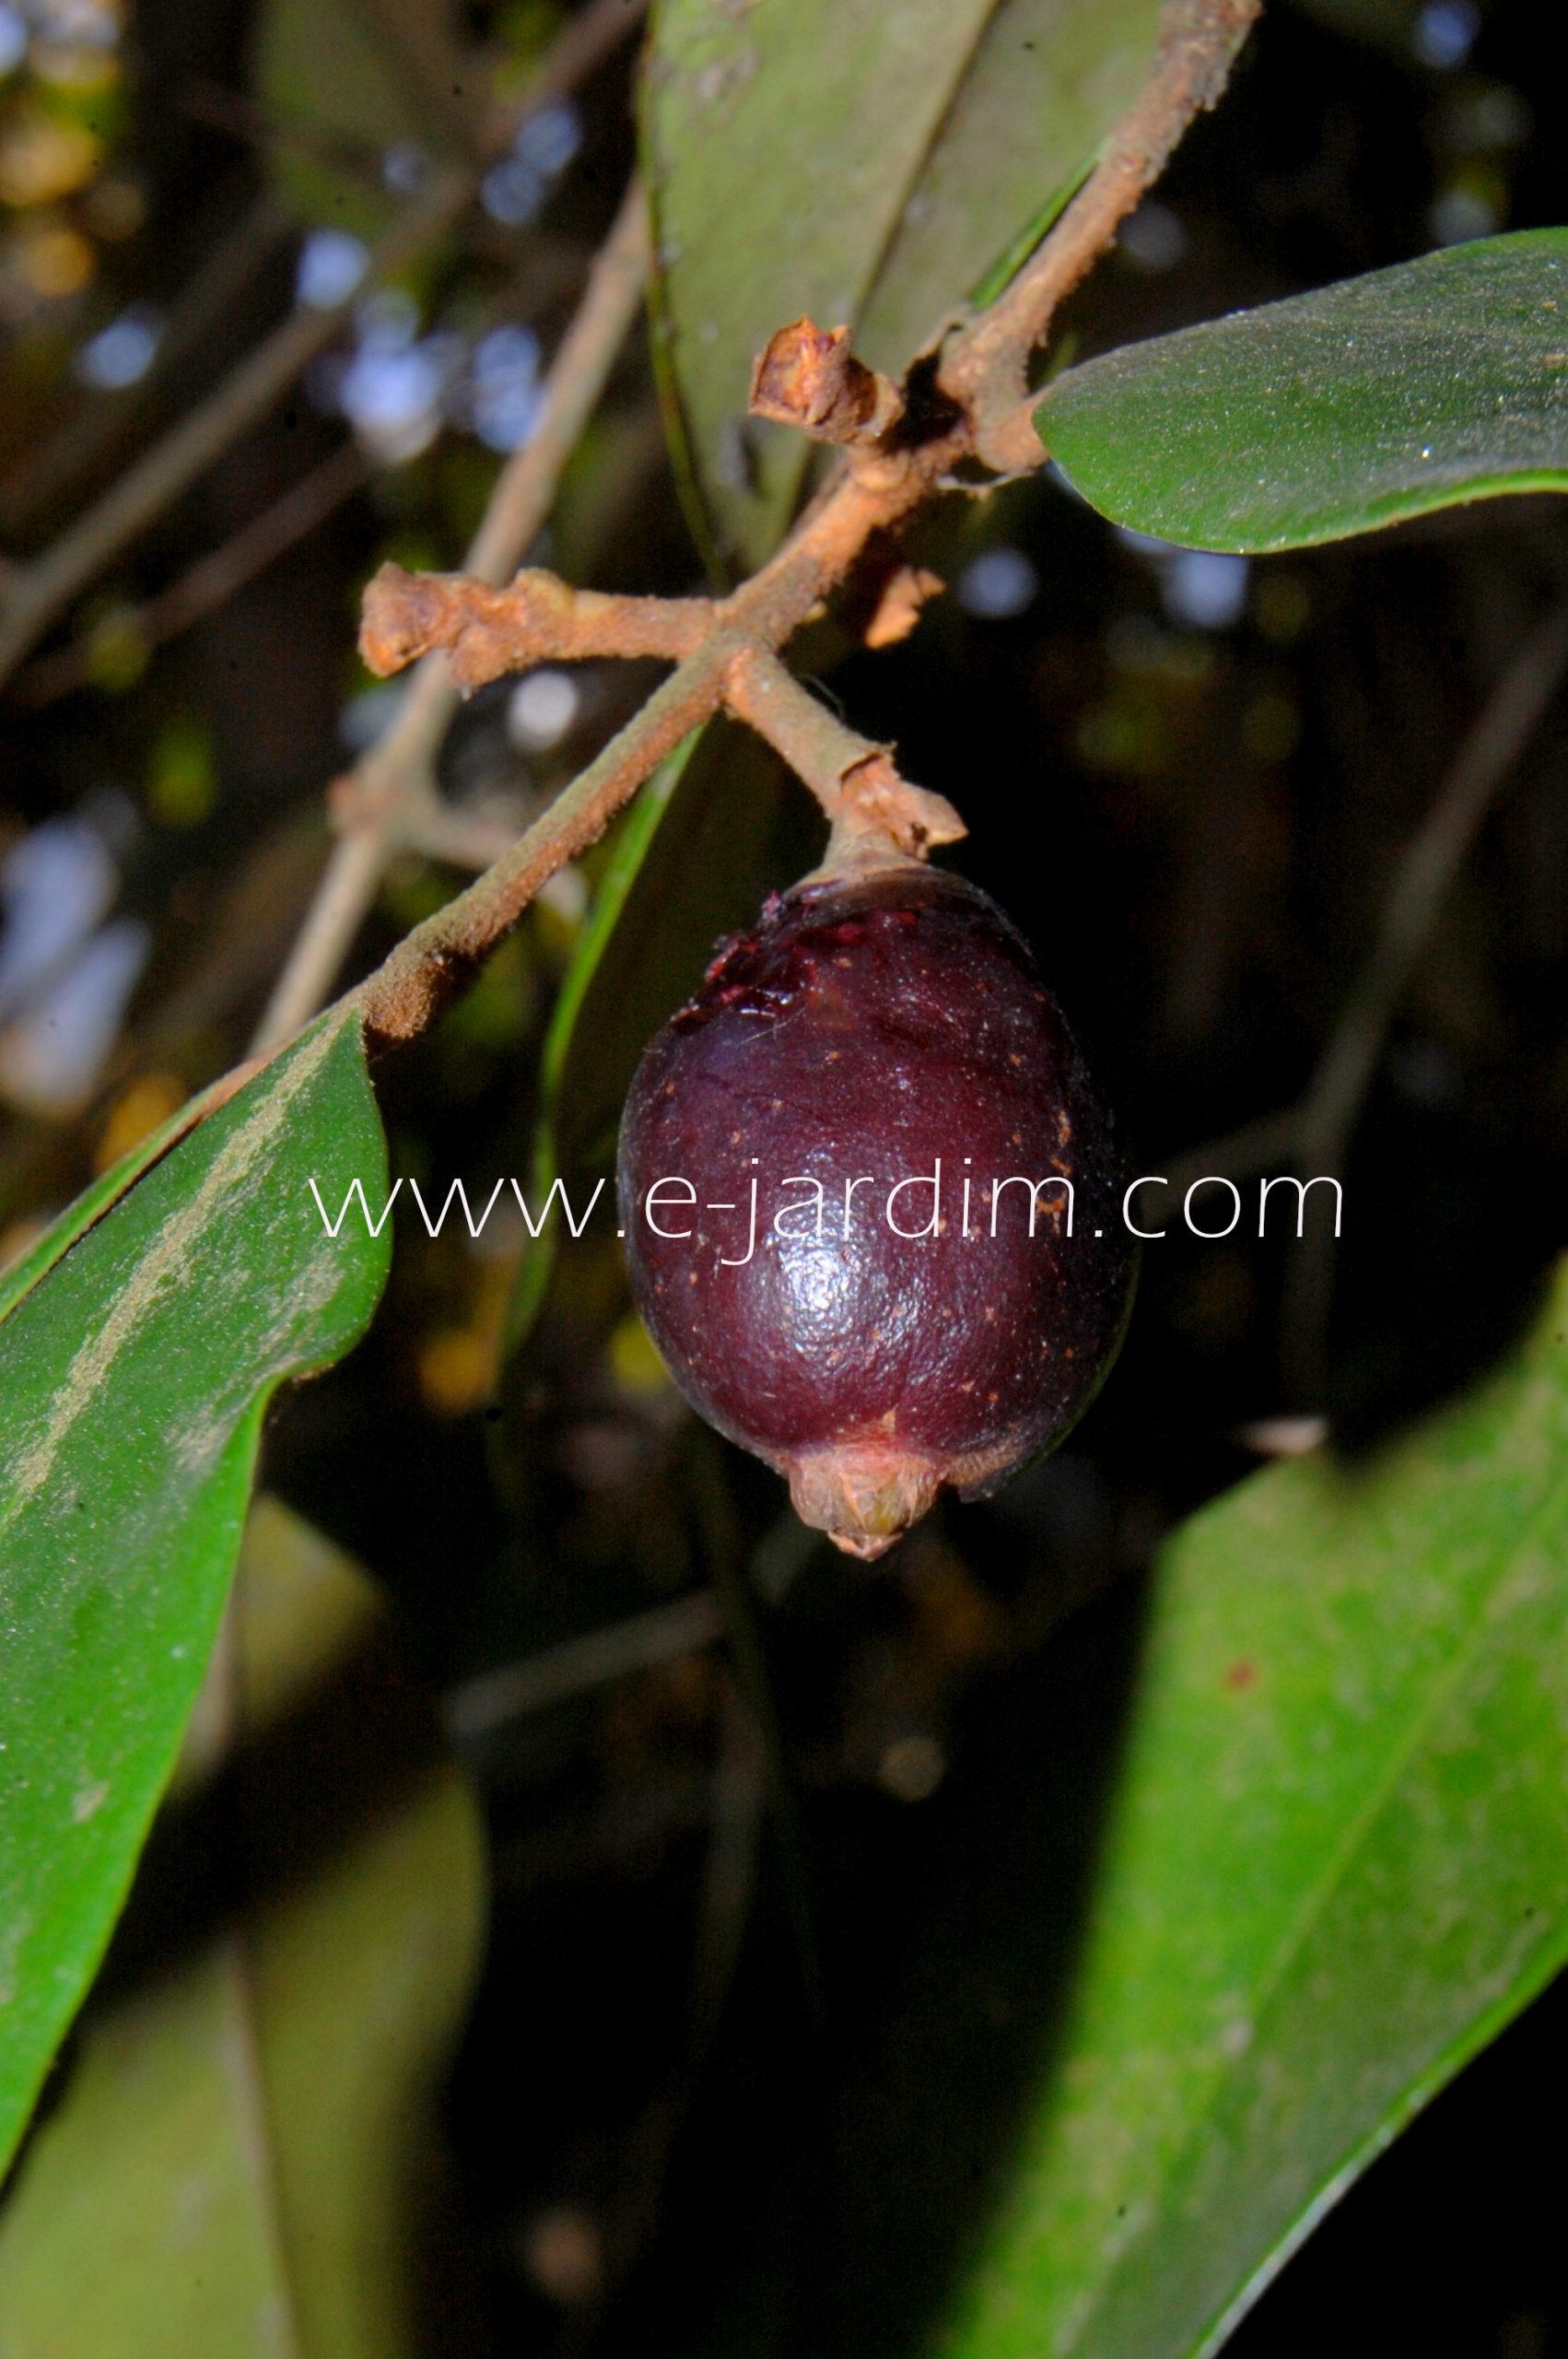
[725,651]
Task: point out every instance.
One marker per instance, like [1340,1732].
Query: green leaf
[246,2142]
[132,1382]
[21,1275]
[873,194]
[1008,265]
[1337,1863]
[1441,380]
[1044,85]
[633,842]
[692,865]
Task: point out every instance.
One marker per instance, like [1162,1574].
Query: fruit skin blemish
[873,1202]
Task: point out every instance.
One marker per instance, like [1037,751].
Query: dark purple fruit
[875,1043]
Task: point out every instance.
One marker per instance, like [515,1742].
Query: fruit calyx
[864,1495]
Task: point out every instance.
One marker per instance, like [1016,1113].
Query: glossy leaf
[246,2143]
[879,193]
[1337,1864]
[1439,382]
[132,1382]
[1046,82]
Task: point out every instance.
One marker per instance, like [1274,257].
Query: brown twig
[37,593]
[486,631]
[389,797]
[410,988]
[1312,1138]
[42,589]
[734,641]
[84,440]
[872,810]
[211,581]
[986,370]
[1315,1134]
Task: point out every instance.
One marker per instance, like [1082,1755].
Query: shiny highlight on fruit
[871,1201]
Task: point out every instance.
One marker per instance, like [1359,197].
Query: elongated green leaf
[632,846]
[247,2140]
[133,1381]
[1337,1864]
[691,864]
[21,1275]
[873,193]
[1441,380]
[1046,83]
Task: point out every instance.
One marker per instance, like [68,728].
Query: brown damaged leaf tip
[809,378]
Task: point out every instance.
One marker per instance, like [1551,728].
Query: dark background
[744,2070]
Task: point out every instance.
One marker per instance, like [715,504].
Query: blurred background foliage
[730,1888]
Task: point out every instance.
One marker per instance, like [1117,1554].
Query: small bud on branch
[808,377]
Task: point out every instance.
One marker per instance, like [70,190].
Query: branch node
[1009,445]
[970,400]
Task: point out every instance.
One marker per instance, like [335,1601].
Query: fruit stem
[890,465]
[876,815]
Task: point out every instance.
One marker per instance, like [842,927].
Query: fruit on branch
[872,1202]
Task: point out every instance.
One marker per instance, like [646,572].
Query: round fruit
[870,1201]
